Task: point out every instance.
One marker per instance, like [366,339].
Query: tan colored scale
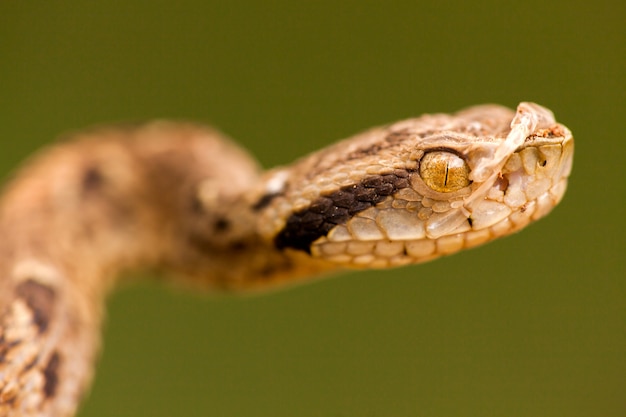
[184,199]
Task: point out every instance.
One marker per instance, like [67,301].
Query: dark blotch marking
[51,375]
[40,299]
[221,225]
[327,211]
[264,201]
[92,179]
[470,221]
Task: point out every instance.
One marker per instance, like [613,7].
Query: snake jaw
[517,175]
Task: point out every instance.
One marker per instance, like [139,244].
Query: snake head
[421,188]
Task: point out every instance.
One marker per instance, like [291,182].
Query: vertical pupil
[444,172]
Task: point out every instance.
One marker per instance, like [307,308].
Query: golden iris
[444,172]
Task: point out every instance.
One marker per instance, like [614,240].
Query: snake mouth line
[385,252]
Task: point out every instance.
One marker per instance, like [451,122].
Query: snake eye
[444,172]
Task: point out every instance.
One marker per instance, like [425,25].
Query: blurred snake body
[182,199]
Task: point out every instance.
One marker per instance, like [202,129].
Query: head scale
[422,188]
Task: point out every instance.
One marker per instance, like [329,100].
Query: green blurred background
[533,325]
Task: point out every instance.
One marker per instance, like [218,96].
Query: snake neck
[163,196]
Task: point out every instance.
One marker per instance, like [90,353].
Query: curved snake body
[183,199]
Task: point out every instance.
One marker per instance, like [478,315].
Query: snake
[186,202]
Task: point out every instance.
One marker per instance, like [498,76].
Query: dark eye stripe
[306,226]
